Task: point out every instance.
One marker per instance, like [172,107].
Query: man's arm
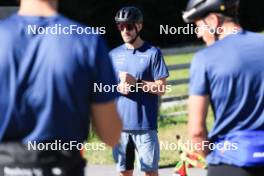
[106,122]
[198,107]
[157,87]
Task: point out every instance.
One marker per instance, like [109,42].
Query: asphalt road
[106,170]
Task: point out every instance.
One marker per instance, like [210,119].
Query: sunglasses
[128,26]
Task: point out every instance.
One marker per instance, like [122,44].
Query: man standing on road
[142,78]
[229,74]
[46,93]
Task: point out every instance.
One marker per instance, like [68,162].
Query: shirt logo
[143,55]
[258,155]
[142,58]
[141,61]
[120,59]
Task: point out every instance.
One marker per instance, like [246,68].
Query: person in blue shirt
[47,93]
[142,73]
[228,74]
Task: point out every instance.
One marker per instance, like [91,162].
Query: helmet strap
[137,35]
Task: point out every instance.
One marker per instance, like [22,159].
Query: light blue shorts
[144,144]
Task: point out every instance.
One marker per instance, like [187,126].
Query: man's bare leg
[153,173]
[127,173]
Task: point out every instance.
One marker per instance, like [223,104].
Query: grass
[168,128]
[99,156]
[177,90]
[179,74]
[178,59]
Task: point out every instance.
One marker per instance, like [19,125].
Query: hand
[127,78]
[123,88]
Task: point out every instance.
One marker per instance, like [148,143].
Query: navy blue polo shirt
[139,110]
[47,80]
[231,72]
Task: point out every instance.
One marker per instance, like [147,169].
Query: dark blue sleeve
[159,68]
[199,84]
[103,74]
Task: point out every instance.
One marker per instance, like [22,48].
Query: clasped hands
[126,81]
